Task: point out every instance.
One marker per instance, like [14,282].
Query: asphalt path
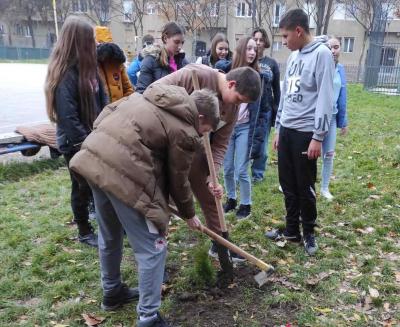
[22,99]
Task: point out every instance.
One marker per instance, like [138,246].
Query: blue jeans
[328,153]
[259,165]
[236,164]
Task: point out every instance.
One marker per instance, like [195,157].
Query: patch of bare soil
[240,304]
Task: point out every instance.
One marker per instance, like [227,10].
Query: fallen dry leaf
[323,310]
[321,276]
[281,243]
[397,274]
[367,303]
[232,285]
[371,186]
[373,292]
[236,316]
[365,231]
[91,319]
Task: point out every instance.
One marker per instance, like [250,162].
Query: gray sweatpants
[149,247]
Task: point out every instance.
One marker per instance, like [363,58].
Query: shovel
[266,270]
[223,254]
[222,242]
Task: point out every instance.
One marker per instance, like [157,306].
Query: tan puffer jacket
[141,150]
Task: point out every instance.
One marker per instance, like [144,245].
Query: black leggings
[81,194]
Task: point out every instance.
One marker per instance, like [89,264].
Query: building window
[243,9]
[22,30]
[2,30]
[279,9]
[348,44]
[277,45]
[128,11]
[79,6]
[213,9]
[151,9]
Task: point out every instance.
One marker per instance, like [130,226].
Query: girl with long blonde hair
[74,98]
[237,157]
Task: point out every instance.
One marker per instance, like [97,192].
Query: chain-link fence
[382,69]
[14,53]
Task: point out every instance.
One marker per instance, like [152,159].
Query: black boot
[87,235]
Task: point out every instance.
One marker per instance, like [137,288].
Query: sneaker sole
[308,253]
[237,260]
[118,305]
[243,218]
[234,260]
[280,237]
[213,254]
[111,308]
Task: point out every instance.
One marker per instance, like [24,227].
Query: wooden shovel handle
[234,248]
[214,180]
[210,161]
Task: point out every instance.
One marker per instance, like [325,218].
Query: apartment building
[201,19]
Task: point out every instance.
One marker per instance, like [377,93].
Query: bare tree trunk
[320,15]
[327,17]
[10,42]
[271,49]
[361,56]
[30,26]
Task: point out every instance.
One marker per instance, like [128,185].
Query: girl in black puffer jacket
[160,61]
[74,98]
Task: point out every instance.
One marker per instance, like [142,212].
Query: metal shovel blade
[262,277]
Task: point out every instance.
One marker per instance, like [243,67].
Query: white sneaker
[327,195]
[280,188]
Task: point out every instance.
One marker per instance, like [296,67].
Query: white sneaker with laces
[327,195]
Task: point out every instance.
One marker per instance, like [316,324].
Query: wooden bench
[15,142]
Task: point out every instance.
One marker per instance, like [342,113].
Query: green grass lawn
[48,279]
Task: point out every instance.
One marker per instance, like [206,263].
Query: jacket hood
[318,40]
[173,99]
[110,52]
[153,50]
[103,34]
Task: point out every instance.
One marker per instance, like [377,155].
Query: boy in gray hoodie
[301,124]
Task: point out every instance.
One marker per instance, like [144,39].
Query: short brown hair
[247,81]
[239,57]
[147,40]
[294,18]
[207,105]
[264,36]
